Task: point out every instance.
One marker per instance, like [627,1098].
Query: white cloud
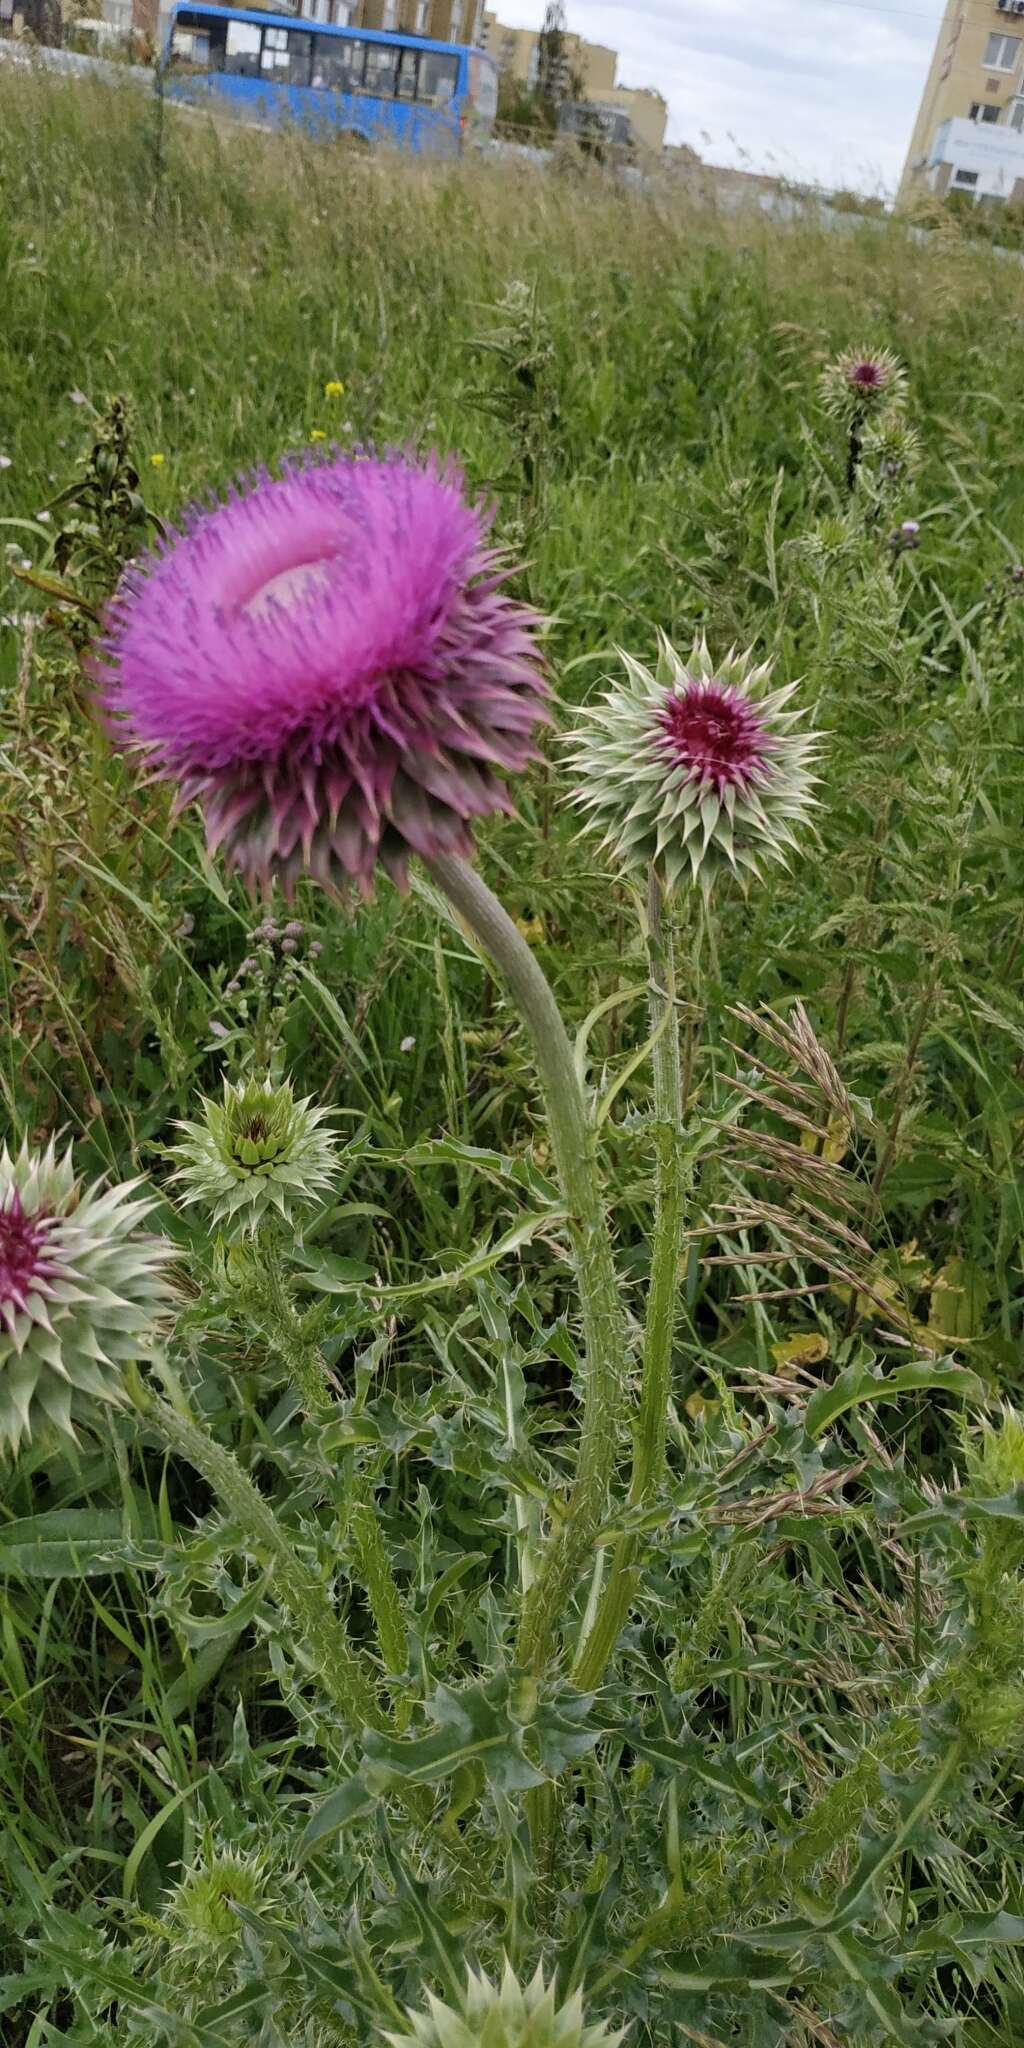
[825,90]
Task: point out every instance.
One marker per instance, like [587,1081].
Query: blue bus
[405,90]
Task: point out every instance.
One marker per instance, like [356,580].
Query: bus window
[189,51]
[197,44]
[286,55]
[338,63]
[439,78]
[407,62]
[242,54]
[381,70]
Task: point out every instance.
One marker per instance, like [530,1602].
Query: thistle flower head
[696,767]
[504,2015]
[862,381]
[258,1153]
[81,1289]
[329,664]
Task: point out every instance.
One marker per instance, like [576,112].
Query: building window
[1001,53]
[1017,114]
[966,178]
[981,112]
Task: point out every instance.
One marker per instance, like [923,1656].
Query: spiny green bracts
[258,1153]
[81,1291]
[504,2016]
[892,450]
[862,382]
[694,768]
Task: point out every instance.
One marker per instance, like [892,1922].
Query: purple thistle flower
[867,375]
[26,1266]
[862,382]
[717,734]
[695,767]
[329,665]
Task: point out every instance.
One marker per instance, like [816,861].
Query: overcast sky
[818,89]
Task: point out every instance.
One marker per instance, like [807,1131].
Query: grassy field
[789,1813]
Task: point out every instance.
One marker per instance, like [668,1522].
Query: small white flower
[78,398]
[43,518]
[407,1045]
[5,462]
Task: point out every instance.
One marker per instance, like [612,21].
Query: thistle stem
[568,1547]
[323,1644]
[596,1647]
[659,1332]
[265,1294]
[383,1597]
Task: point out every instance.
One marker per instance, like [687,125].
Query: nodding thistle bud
[81,1291]
[696,767]
[505,2016]
[862,382]
[258,1153]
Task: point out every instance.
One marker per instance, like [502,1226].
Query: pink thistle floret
[715,731]
[868,375]
[26,1267]
[329,663]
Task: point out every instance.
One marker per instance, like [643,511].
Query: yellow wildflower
[335,389]
[317,434]
[158,461]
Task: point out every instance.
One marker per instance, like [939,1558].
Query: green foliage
[788,1814]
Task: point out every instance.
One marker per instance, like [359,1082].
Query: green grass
[803,1669]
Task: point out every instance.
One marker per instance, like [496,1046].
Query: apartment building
[969,133]
[448,21]
[589,66]
[590,69]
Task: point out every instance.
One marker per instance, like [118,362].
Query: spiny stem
[322,1643]
[567,1549]
[382,1594]
[659,1332]
[264,1294]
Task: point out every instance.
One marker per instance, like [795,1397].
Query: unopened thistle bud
[257,1154]
[892,450]
[81,1291]
[504,2016]
[695,767]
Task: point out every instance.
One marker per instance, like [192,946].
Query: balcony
[980,157]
